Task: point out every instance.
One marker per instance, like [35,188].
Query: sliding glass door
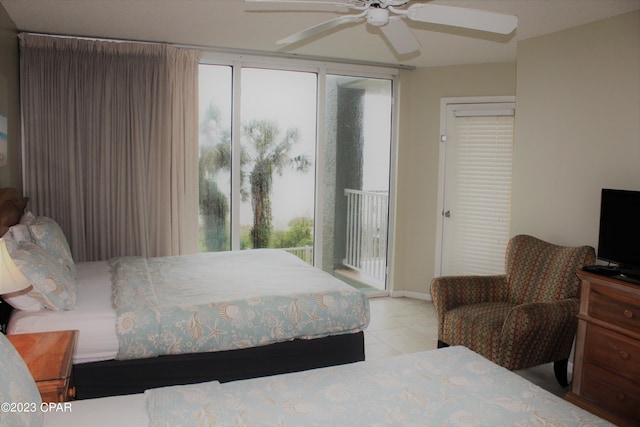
[357,175]
[299,160]
[278,145]
[215,158]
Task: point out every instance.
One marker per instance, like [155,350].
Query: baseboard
[411,294]
[375,293]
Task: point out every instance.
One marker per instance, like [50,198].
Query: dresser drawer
[611,391]
[613,351]
[614,308]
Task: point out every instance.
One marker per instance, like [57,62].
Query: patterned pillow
[17,386]
[19,300]
[52,284]
[50,237]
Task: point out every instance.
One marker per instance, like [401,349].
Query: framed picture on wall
[3,140]
[3,120]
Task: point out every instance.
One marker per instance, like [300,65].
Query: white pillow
[20,233]
[21,300]
[17,386]
[10,241]
[27,218]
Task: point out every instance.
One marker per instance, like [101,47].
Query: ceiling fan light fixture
[390,16]
[377,16]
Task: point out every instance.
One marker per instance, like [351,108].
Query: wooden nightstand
[49,358]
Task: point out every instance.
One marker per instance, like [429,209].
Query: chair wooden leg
[560,369]
[442,344]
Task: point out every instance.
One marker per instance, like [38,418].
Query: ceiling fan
[388,16]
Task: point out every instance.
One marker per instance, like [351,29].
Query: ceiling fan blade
[463,17]
[327,3]
[400,36]
[321,28]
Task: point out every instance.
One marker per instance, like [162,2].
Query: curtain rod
[234,51]
[284,55]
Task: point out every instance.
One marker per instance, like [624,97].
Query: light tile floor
[405,325]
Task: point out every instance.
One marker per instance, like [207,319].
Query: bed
[183,333]
[445,387]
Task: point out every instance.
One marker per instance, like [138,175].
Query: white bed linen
[114,411]
[93,316]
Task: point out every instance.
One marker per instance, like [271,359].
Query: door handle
[446,214]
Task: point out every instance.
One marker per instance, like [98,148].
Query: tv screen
[619,237]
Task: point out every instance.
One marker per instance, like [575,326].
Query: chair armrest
[449,292]
[550,325]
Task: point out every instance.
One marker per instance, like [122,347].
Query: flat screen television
[619,236]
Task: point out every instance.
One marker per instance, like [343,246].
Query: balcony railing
[305,253]
[367,220]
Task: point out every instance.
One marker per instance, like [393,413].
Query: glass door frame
[322,68]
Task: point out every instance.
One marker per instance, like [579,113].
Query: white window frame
[322,68]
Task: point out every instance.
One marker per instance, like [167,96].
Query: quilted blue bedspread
[444,388]
[227,300]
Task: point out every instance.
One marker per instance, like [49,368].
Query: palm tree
[269,155]
[215,156]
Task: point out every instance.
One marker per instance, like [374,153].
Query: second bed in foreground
[446,387]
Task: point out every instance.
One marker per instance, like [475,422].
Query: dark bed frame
[115,377]
[118,377]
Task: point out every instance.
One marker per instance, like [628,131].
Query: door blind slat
[482,194]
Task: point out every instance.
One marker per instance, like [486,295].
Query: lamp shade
[11,279]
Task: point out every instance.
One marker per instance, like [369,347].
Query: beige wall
[418,151]
[577,127]
[11,174]
[577,130]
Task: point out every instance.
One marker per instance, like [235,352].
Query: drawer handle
[624,355]
[628,314]
[621,397]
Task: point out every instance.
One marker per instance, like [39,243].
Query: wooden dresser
[606,371]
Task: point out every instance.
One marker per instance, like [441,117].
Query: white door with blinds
[475,188]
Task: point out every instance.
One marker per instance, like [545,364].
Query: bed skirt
[113,377]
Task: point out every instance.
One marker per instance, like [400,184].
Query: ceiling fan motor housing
[377,16]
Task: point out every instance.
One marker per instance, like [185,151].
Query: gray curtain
[111,143]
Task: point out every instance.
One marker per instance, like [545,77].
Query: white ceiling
[249,26]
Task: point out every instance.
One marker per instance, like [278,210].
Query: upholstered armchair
[523,318]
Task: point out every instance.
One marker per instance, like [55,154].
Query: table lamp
[11,278]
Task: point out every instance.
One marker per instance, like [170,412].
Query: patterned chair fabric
[523,318]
